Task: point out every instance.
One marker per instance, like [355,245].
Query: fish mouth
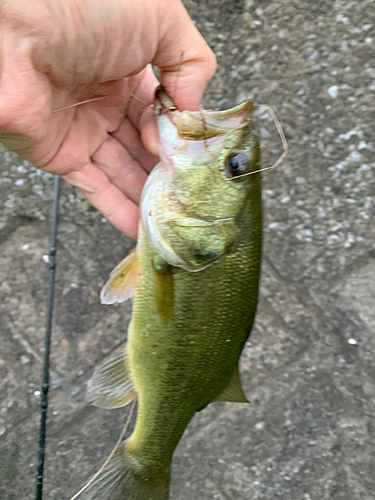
[203,124]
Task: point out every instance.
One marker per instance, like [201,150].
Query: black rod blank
[47,343]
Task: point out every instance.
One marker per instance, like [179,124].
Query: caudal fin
[124,478]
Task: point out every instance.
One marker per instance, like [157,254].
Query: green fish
[194,275]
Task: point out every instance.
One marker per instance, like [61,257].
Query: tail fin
[124,478]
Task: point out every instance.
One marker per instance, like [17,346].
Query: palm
[101,151]
[96,146]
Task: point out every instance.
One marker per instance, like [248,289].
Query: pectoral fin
[163,288]
[234,392]
[121,283]
[111,386]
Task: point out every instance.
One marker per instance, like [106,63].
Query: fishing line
[123,432]
[283,140]
[178,74]
[47,343]
[99,99]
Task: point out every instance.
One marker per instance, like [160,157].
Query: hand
[55,53]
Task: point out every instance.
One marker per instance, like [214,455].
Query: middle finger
[120,167]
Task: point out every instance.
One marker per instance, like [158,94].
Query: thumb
[186,62]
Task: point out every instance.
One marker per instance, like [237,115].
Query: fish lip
[198,221]
[245,106]
[163,102]
[184,212]
[202,124]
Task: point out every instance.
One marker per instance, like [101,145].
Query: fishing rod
[47,343]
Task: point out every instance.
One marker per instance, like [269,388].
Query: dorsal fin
[121,283]
[111,386]
[233,392]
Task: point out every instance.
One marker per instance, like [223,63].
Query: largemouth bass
[194,276]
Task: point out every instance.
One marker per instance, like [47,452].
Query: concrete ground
[309,365]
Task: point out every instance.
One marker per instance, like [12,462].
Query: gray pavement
[309,365]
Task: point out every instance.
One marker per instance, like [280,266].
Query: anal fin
[233,392]
[111,386]
[121,282]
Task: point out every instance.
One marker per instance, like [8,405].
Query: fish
[193,278]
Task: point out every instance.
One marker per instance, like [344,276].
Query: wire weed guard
[47,343]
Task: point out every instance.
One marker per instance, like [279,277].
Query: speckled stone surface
[308,368]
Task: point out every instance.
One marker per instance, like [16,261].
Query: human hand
[55,53]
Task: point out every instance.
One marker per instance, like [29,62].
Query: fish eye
[236,164]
